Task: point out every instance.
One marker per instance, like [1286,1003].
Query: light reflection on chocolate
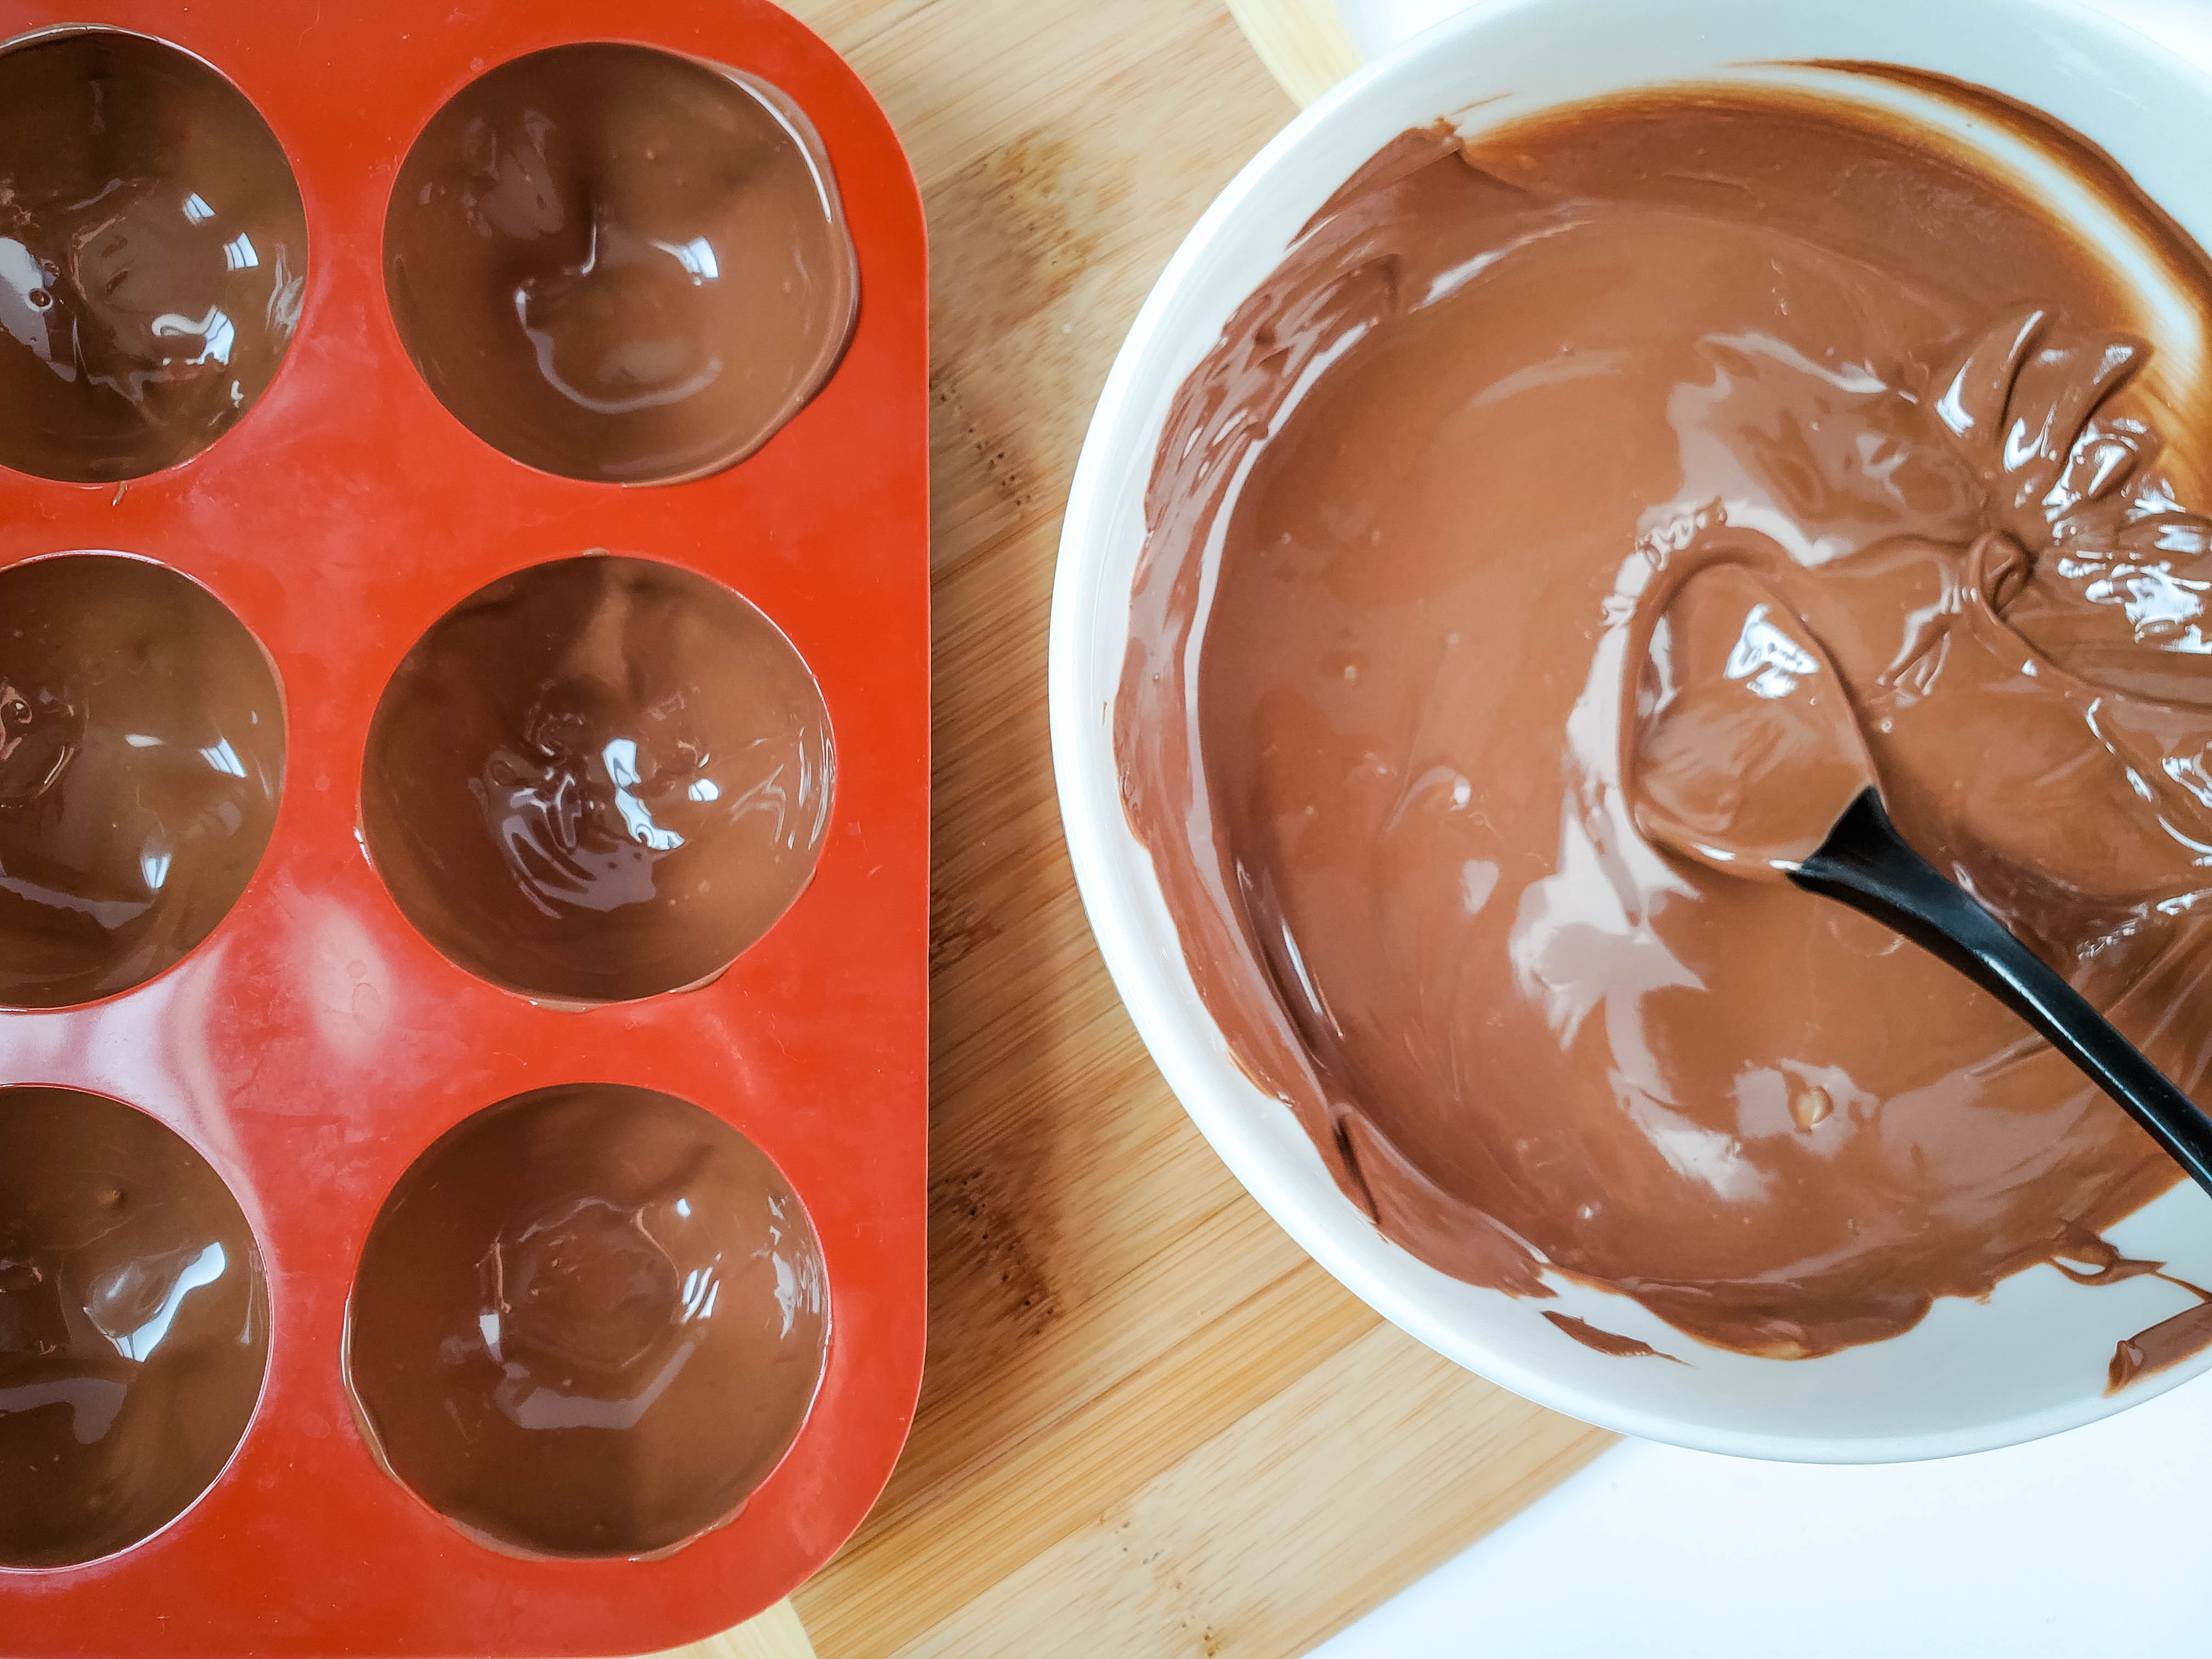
[1406,520]
[1742,748]
[614,263]
[152,255]
[598,779]
[588,1322]
[134,1326]
[142,751]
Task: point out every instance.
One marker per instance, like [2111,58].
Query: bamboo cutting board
[1151,1426]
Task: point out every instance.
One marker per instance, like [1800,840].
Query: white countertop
[2095,1542]
[2090,1543]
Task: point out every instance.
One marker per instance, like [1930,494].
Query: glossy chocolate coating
[134,1326]
[1604,1341]
[598,779]
[152,255]
[1744,747]
[1409,521]
[616,264]
[142,749]
[588,1322]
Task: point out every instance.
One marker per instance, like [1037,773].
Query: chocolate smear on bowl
[1604,1341]
[134,1326]
[142,754]
[616,264]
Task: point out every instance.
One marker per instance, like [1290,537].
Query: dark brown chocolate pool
[134,1326]
[152,255]
[588,1322]
[1409,526]
[616,264]
[142,749]
[598,779]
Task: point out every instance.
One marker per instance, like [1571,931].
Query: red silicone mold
[315,1044]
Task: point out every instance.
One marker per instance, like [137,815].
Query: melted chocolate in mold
[613,262]
[1406,521]
[134,1326]
[588,1322]
[152,255]
[598,779]
[141,751]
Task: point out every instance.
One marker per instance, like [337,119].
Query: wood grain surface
[1150,1425]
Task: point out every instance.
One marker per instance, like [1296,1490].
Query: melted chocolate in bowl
[616,264]
[1744,750]
[1408,523]
[598,779]
[141,751]
[152,255]
[134,1326]
[588,1322]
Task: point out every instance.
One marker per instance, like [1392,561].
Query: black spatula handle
[1865,863]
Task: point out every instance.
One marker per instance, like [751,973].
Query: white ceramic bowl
[2028,1361]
